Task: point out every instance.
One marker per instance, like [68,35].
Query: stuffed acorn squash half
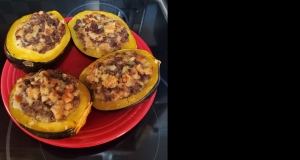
[121,79]
[37,41]
[96,33]
[50,104]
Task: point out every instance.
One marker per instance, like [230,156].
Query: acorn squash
[37,41]
[33,116]
[121,79]
[96,33]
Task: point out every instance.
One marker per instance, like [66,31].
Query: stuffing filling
[48,95]
[119,76]
[41,32]
[97,31]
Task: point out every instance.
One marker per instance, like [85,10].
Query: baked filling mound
[100,32]
[48,95]
[119,76]
[41,32]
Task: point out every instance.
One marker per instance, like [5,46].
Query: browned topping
[48,95]
[97,31]
[119,76]
[41,32]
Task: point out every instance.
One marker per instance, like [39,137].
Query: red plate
[100,127]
